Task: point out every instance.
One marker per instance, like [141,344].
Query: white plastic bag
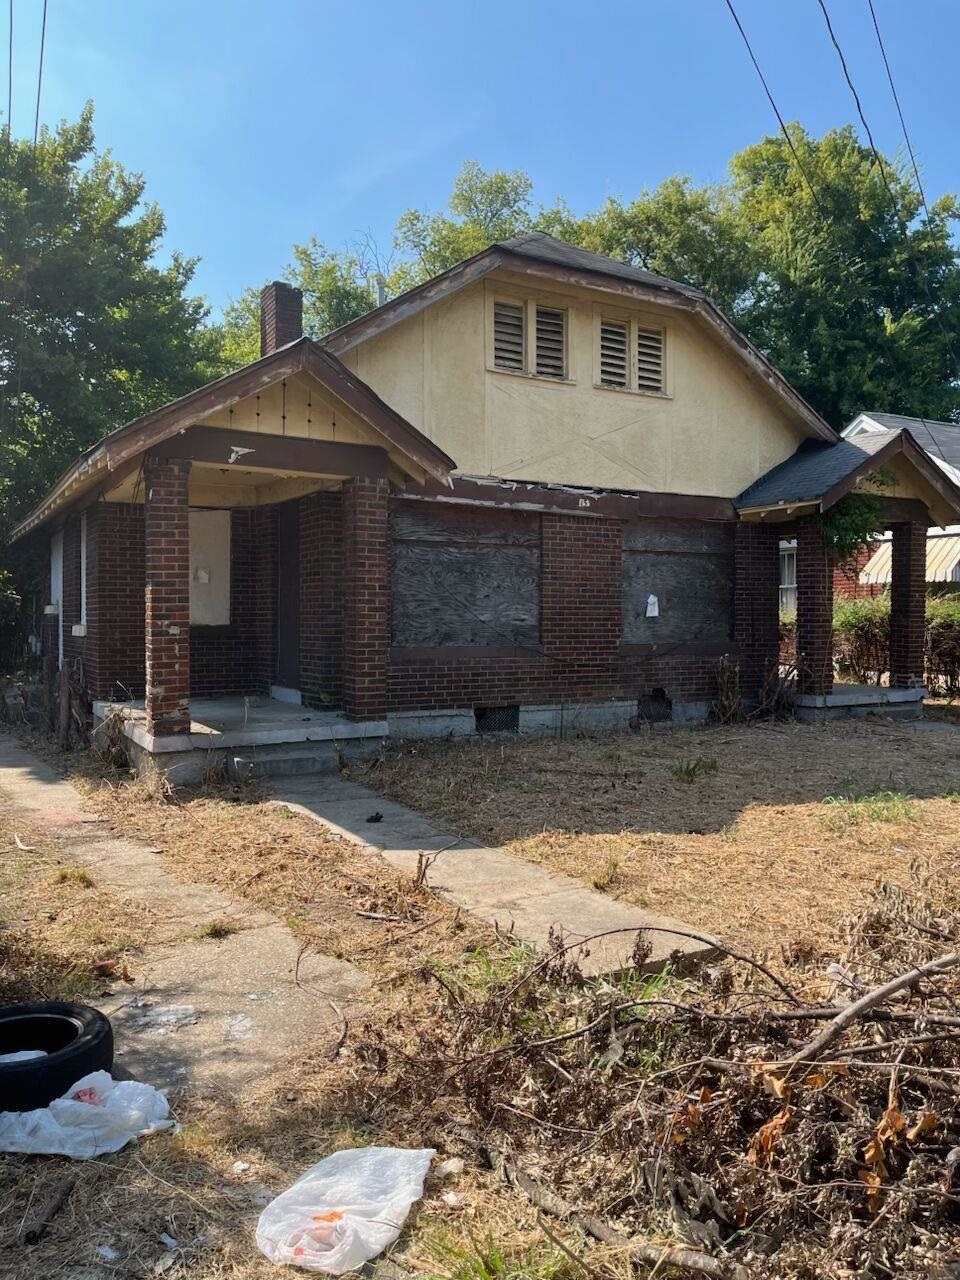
[345,1210]
[98,1115]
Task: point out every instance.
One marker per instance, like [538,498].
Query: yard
[769,835]
[653,1103]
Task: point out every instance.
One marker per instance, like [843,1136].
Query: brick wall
[814,609]
[73,646]
[756,604]
[114,647]
[846,579]
[167,563]
[907,604]
[366,596]
[321,599]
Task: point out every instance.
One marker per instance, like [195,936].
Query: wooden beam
[287,455]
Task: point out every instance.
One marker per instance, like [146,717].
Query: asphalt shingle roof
[537,244]
[940,439]
[813,471]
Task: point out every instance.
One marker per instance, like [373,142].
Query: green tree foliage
[92,331]
[335,291]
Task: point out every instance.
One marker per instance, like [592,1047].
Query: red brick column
[756,603]
[167,529]
[908,589]
[814,609]
[366,591]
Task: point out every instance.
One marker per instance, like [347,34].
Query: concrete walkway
[507,891]
[202,1011]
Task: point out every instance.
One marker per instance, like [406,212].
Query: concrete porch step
[284,761]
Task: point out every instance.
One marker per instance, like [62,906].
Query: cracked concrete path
[491,883]
[202,1012]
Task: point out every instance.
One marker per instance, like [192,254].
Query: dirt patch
[769,835]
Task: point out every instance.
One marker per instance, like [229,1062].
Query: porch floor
[243,722]
[859,700]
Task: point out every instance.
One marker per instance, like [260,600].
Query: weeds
[698,767]
[605,876]
[870,806]
[218,929]
[78,876]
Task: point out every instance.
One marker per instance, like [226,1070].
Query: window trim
[530,302]
[787,553]
[635,322]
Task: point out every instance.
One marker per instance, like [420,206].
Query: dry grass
[752,850]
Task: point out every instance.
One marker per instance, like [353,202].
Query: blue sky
[260,124]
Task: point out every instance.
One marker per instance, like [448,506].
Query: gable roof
[302,356]
[820,474]
[941,440]
[538,254]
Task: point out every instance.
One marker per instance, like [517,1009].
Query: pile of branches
[799,1120]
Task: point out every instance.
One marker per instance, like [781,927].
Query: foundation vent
[497,719]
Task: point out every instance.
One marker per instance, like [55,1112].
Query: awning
[943,561]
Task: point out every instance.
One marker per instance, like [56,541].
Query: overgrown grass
[851,808]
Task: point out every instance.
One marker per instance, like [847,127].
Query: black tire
[78,1040]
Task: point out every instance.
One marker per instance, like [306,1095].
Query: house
[543,488]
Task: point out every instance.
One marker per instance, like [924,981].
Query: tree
[336,289]
[92,331]
[855,296]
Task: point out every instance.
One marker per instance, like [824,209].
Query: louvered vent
[649,359]
[614,362]
[551,357]
[508,336]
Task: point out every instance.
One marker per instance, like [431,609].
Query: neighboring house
[542,488]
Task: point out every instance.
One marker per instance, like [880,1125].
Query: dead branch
[33,1230]
[834,1030]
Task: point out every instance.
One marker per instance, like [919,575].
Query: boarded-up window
[688,567]
[464,577]
[508,336]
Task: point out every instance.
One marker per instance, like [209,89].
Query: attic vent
[614,367]
[649,359]
[551,357]
[508,336]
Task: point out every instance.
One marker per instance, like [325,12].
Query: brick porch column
[756,604]
[814,609]
[167,545]
[908,589]
[366,598]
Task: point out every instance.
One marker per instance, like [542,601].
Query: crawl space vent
[497,719]
[654,707]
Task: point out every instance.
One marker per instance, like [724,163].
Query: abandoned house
[542,487]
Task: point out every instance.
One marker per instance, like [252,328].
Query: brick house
[543,488]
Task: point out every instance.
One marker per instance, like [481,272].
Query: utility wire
[33,173]
[776,109]
[43,41]
[904,230]
[896,98]
[10,73]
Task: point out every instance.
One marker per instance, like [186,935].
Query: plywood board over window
[464,578]
[209,568]
[687,566]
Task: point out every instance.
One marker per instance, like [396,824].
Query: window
[209,568]
[631,356]
[788,576]
[530,338]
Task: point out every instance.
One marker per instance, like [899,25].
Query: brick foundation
[814,609]
[167,566]
[907,604]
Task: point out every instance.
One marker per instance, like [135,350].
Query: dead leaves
[765,1140]
[892,1129]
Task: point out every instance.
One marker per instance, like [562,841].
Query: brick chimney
[281,316]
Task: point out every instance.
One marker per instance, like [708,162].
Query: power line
[776,109]
[33,174]
[43,41]
[896,98]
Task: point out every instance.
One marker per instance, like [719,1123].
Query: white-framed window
[530,336]
[631,355]
[788,576]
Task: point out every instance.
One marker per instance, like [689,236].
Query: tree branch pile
[797,1118]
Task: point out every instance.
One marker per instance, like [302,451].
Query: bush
[10,626]
[943,644]
[861,638]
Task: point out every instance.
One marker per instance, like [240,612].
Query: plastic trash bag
[97,1116]
[345,1210]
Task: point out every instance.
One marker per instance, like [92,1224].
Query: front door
[288,595]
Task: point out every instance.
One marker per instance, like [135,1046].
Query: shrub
[943,644]
[861,638]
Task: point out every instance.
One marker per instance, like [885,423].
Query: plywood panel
[464,577]
[688,566]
